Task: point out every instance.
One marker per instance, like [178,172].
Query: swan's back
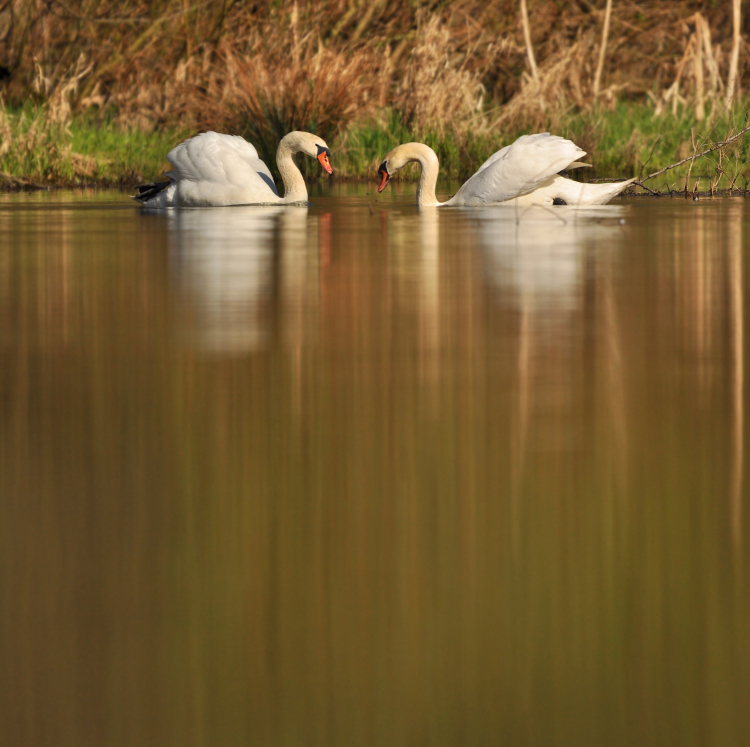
[224,160]
[518,169]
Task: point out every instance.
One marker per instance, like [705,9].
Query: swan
[212,170]
[523,173]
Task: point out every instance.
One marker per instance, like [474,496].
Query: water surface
[356,474]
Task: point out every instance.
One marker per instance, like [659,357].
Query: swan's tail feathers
[599,194]
[561,191]
[147,192]
[579,165]
[577,194]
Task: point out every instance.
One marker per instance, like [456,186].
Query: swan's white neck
[428,161]
[295,189]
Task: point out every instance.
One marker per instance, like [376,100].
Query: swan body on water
[212,170]
[523,173]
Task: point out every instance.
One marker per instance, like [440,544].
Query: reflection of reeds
[737,345]
[203,556]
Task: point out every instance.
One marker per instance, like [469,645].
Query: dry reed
[439,89]
[457,66]
[149,60]
[321,91]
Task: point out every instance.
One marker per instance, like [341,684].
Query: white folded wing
[212,168]
[518,169]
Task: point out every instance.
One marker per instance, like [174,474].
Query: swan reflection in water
[232,264]
[556,271]
[535,258]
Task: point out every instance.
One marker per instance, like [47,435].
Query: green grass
[124,156]
[359,152]
[84,151]
[630,141]
[627,140]
[621,142]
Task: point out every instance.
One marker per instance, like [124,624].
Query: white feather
[518,169]
[220,169]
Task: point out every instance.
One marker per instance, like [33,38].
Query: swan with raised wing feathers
[523,173]
[212,170]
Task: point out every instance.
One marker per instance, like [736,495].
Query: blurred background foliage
[460,74]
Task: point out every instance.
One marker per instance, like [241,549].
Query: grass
[124,156]
[97,91]
[629,140]
[626,140]
[36,150]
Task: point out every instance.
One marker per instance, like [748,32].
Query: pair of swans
[215,170]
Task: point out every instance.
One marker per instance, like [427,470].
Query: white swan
[212,170]
[523,173]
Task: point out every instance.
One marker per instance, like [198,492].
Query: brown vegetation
[161,61]
[463,66]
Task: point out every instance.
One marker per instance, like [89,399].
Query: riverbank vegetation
[97,92]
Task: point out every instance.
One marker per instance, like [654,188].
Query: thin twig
[544,207]
[650,155]
[692,161]
[651,191]
[716,146]
[717,174]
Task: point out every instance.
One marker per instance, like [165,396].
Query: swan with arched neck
[212,170]
[523,173]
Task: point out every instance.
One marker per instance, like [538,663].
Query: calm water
[359,475]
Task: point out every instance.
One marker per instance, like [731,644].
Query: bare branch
[714,147]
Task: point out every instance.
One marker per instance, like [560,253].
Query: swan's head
[400,156]
[383,173]
[391,165]
[324,156]
[311,145]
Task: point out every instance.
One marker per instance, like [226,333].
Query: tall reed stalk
[602,48]
[735,56]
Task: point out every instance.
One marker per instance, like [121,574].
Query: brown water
[360,475]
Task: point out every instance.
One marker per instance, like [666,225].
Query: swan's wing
[494,157]
[247,153]
[501,154]
[222,159]
[518,169]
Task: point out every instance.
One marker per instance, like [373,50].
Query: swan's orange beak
[386,176]
[325,161]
